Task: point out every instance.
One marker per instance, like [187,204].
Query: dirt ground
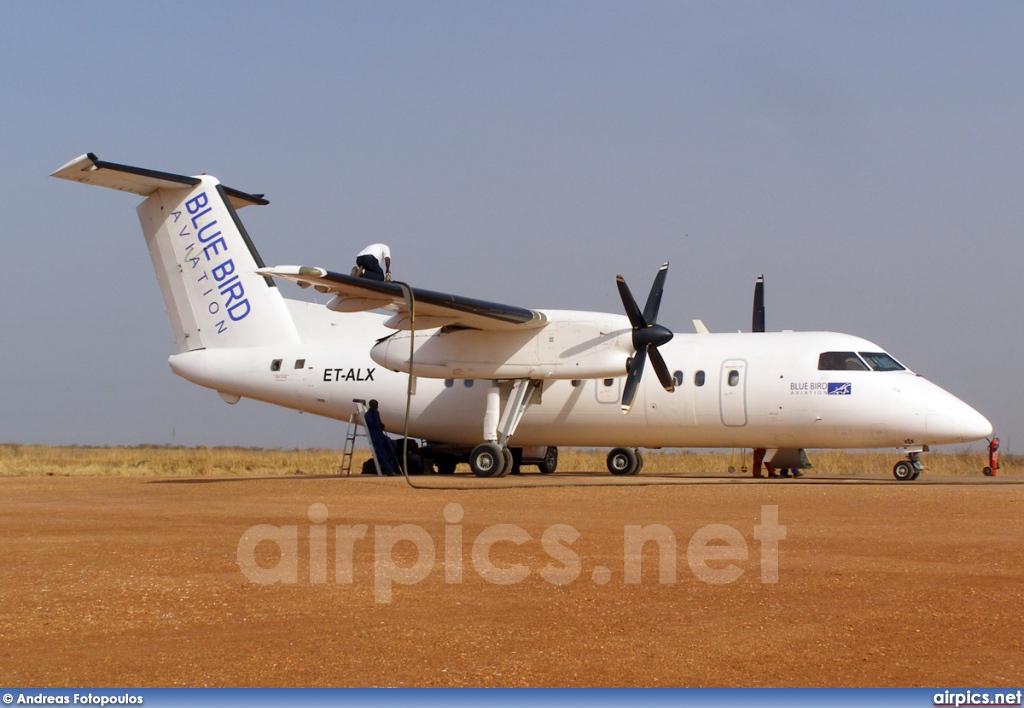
[139,582]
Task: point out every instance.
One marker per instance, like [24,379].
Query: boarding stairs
[357,429]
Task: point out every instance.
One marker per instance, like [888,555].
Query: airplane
[488,383]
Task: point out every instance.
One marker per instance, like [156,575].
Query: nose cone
[971,425]
[947,419]
[954,421]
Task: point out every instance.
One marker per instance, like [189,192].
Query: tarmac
[560,580]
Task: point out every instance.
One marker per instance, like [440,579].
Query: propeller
[648,335]
[758,320]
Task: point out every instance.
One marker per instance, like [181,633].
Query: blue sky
[866,157]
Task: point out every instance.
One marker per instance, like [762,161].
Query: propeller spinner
[648,335]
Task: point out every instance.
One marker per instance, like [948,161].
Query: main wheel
[639,463]
[487,460]
[623,461]
[550,463]
[903,471]
[509,462]
[516,465]
[445,464]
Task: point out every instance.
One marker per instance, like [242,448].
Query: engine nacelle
[564,348]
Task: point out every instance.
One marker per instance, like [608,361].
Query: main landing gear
[910,469]
[493,458]
[488,460]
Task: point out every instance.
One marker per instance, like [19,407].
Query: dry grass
[147,461]
[143,461]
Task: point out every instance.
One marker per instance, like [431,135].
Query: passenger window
[734,377]
[300,363]
[698,378]
[677,378]
[609,382]
[880,361]
[840,361]
[275,365]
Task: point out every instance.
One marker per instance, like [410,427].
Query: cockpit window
[840,361]
[880,361]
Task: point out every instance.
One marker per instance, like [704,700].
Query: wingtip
[82,163]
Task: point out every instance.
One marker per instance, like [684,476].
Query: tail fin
[202,255]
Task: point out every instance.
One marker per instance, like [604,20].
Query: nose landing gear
[910,469]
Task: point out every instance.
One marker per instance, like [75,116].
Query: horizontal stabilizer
[433,309]
[89,169]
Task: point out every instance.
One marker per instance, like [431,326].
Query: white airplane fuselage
[777,397]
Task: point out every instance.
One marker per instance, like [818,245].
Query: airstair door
[733,392]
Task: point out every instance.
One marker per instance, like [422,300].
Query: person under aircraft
[383,445]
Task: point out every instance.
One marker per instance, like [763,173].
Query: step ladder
[357,429]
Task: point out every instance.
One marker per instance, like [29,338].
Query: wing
[433,309]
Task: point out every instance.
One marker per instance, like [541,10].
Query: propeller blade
[654,299]
[636,370]
[648,335]
[636,318]
[662,370]
[757,324]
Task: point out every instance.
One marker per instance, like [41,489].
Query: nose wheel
[909,469]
